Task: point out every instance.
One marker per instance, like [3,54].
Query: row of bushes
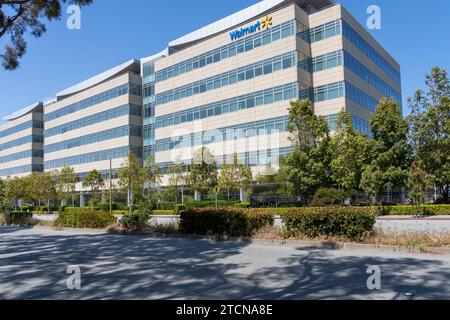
[429,210]
[350,223]
[225,221]
[16,218]
[87,219]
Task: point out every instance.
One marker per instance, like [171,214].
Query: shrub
[350,223]
[87,219]
[78,209]
[165,206]
[20,218]
[210,204]
[328,197]
[136,221]
[121,207]
[428,210]
[163,213]
[26,209]
[243,205]
[105,207]
[42,209]
[225,221]
[121,212]
[179,208]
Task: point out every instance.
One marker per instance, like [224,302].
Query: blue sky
[416,34]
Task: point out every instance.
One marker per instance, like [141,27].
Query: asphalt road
[34,262]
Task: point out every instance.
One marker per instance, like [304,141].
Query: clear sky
[416,33]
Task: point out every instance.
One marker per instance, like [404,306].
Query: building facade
[228,85]
[22,142]
[95,122]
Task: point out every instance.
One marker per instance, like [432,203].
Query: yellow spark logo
[266,22]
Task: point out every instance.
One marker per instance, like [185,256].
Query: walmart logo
[265,23]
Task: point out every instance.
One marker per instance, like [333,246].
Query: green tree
[66,183]
[131,179]
[15,189]
[371,182]
[390,150]
[22,16]
[151,173]
[94,181]
[202,176]
[47,186]
[430,130]
[177,179]
[349,150]
[271,181]
[419,183]
[234,176]
[307,167]
[34,190]
[2,190]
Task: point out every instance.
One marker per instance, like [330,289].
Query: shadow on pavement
[133,267]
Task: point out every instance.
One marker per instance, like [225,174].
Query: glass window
[259,101]
[249,45]
[287,63]
[224,54]
[258,71]
[249,74]
[224,81]
[278,96]
[288,94]
[277,66]
[267,39]
[232,52]
[250,103]
[268,98]
[268,68]
[276,35]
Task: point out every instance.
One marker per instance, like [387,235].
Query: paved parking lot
[33,265]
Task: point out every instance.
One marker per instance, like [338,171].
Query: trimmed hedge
[179,208]
[350,223]
[243,205]
[136,221]
[224,221]
[163,213]
[19,218]
[88,220]
[210,204]
[165,206]
[428,210]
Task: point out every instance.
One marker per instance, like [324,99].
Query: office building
[228,85]
[22,142]
[95,121]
